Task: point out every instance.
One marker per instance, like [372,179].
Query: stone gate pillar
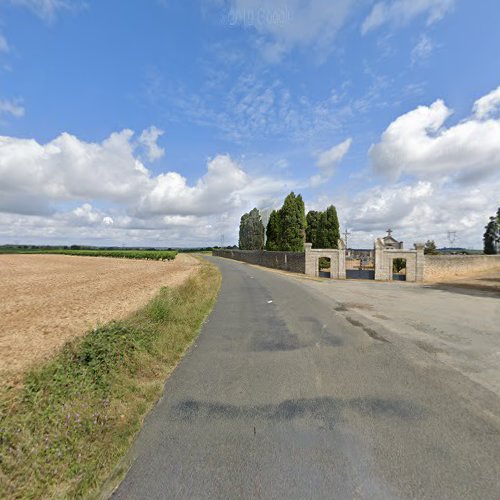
[420,264]
[310,260]
[341,254]
[381,273]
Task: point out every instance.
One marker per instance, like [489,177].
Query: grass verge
[62,433]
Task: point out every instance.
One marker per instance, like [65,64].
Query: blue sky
[161,122]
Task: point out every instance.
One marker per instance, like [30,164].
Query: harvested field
[46,300]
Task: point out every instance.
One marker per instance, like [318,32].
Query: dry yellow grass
[45,300]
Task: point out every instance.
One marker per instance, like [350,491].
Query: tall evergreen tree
[255,230]
[273,231]
[328,229]
[243,241]
[251,231]
[491,237]
[498,230]
[312,219]
[292,224]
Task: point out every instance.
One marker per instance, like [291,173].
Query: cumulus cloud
[401,12]
[487,105]
[68,168]
[382,205]
[149,139]
[419,210]
[418,143]
[216,191]
[39,181]
[12,107]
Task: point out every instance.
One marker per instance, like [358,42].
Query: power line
[452,236]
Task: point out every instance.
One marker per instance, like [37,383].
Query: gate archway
[336,256]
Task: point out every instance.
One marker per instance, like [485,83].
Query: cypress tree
[328,230]
[312,219]
[255,230]
[243,242]
[251,231]
[273,231]
[292,224]
[491,237]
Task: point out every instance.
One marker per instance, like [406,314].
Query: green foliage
[430,248]
[324,263]
[398,265]
[312,219]
[273,231]
[292,224]
[65,428]
[288,226]
[251,231]
[491,237]
[124,254]
[329,229]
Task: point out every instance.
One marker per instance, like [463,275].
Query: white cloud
[47,9]
[423,49]
[70,169]
[87,214]
[417,143]
[328,161]
[487,105]
[401,12]
[418,211]
[12,107]
[148,139]
[4,45]
[38,181]
[287,24]
[255,108]
[215,192]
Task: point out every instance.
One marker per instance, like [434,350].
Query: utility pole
[346,235]
[222,241]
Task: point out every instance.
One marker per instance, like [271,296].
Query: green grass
[125,254]
[66,428]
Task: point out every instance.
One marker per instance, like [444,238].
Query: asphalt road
[287,396]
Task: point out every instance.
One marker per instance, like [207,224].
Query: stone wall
[286,261]
[440,267]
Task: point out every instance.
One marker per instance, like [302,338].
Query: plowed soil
[46,300]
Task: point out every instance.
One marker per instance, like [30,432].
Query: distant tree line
[491,237]
[289,228]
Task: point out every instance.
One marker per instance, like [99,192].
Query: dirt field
[47,299]
[480,280]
